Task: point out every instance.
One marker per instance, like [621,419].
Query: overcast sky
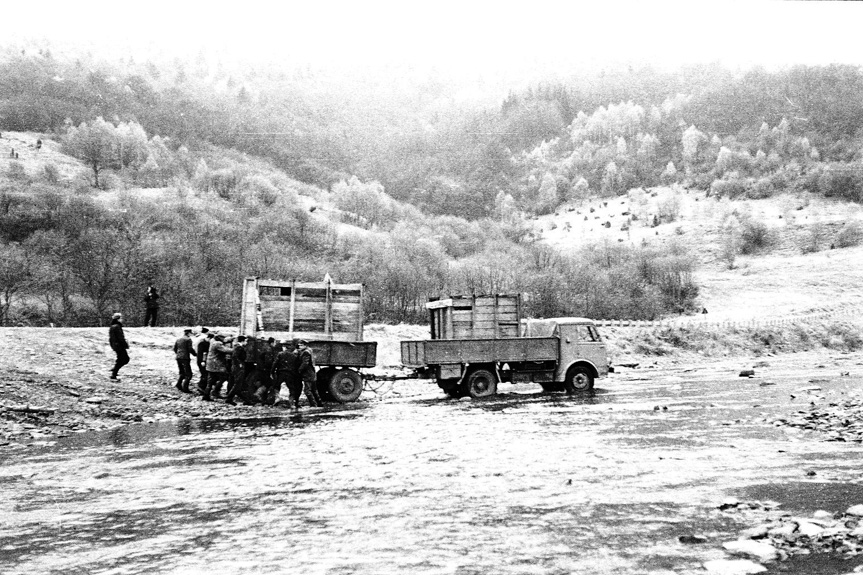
[459,36]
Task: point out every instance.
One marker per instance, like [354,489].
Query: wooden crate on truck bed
[475,317]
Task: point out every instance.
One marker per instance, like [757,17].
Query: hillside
[792,272]
[796,271]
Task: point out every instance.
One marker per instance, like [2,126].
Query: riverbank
[55,380]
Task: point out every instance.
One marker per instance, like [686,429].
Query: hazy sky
[460,36]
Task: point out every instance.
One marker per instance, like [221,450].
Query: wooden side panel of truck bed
[345,354]
[440,352]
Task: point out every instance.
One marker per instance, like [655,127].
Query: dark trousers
[215,379]
[150,316]
[122,359]
[294,383]
[310,386]
[237,385]
[202,383]
[185,368]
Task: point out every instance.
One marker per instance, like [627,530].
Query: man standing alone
[118,343]
[183,351]
[151,301]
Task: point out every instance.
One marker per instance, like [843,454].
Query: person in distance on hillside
[202,348]
[183,352]
[151,302]
[118,343]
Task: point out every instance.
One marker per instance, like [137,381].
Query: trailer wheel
[481,383]
[346,385]
[324,375]
[578,378]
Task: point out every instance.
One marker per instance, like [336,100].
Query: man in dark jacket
[151,302]
[202,348]
[183,351]
[118,343]
[286,369]
[307,373]
[264,367]
[237,381]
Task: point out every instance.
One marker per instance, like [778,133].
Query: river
[521,483]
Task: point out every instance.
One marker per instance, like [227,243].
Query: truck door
[580,342]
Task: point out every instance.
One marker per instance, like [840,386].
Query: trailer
[327,315]
[559,353]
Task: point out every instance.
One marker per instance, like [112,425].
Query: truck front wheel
[578,379]
[346,385]
[481,383]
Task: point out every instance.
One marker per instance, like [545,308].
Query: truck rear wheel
[481,383]
[345,386]
[578,378]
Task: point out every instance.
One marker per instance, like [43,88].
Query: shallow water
[521,483]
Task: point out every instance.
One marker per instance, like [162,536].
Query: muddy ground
[54,382]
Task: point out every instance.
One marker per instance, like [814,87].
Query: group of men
[251,369]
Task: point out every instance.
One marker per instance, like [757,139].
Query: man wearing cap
[118,343]
[183,352]
[237,381]
[286,369]
[217,370]
[203,347]
[307,373]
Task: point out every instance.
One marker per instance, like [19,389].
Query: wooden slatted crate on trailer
[312,310]
[327,315]
[475,317]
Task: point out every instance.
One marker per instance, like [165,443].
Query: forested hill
[418,135]
[193,174]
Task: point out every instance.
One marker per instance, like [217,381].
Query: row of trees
[71,259]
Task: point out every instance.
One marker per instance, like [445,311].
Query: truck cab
[582,355]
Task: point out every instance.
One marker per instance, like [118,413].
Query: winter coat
[287,361]
[116,337]
[216,357]
[183,347]
[238,361]
[307,364]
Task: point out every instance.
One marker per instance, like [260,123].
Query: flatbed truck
[560,354]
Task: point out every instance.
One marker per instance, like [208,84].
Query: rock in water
[855,510]
[733,567]
[761,551]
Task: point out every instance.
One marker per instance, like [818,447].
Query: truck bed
[439,352]
[345,353]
